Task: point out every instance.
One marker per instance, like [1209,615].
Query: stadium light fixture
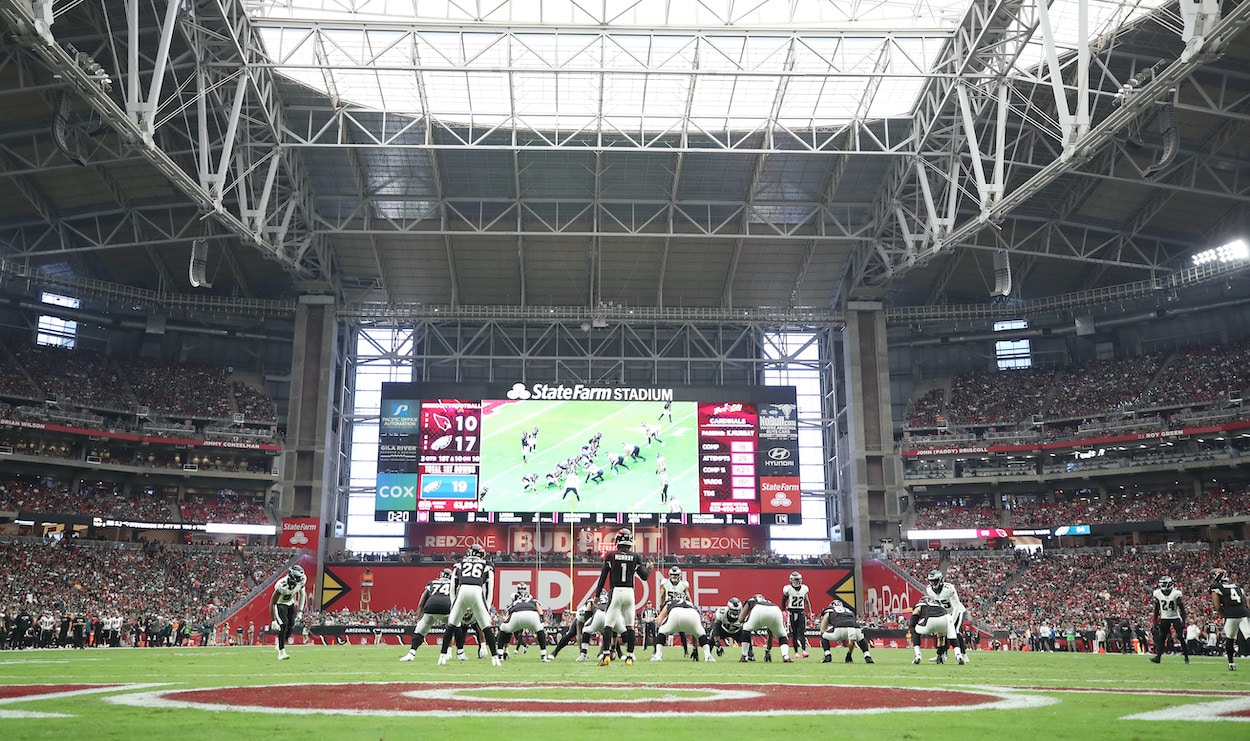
[1234,250]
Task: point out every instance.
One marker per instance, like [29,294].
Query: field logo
[518,391]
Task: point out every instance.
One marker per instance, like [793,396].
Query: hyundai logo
[779,454]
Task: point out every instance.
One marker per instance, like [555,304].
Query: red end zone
[416,698]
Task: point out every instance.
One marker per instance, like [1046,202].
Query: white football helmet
[674,575]
[935,580]
[796,579]
[734,608]
[296,575]
[1166,583]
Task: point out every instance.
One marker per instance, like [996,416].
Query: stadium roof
[709,155]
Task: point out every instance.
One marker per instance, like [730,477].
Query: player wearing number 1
[1169,616]
[620,567]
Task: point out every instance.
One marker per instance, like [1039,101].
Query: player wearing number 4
[1169,616]
[1230,604]
[619,570]
[286,604]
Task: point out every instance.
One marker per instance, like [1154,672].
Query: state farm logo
[779,454]
[782,492]
[519,391]
[781,500]
[299,538]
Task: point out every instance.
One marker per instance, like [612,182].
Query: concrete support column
[309,457]
[874,483]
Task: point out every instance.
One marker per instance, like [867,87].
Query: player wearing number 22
[1169,616]
[620,567]
[286,605]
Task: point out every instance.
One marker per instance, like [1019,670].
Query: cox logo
[779,454]
[519,391]
[397,492]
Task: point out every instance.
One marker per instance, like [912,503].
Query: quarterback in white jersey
[943,593]
[1169,616]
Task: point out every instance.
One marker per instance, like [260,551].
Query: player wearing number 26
[1169,616]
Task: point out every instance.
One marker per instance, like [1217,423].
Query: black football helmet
[475,550]
[624,539]
[936,580]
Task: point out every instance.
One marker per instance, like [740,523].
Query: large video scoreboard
[582,453]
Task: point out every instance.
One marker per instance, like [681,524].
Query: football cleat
[1154,659]
[282,656]
[941,659]
[827,660]
[804,654]
[581,657]
[1186,659]
[961,659]
[743,660]
[694,655]
[656,657]
[710,659]
[849,659]
[546,659]
[461,657]
[605,660]
[629,661]
[868,659]
[1232,667]
[916,660]
[494,661]
[408,656]
[787,660]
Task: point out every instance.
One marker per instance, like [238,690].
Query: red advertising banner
[887,594]
[399,586]
[453,539]
[300,532]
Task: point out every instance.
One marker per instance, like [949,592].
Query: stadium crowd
[46,495]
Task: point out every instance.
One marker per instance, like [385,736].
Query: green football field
[564,427]
[354,691]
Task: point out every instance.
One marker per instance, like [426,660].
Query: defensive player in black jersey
[434,606]
[1230,604]
[620,568]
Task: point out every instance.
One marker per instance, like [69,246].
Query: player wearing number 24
[1169,616]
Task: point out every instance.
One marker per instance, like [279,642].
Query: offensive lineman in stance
[523,614]
[681,616]
[837,624]
[930,617]
[1169,616]
[434,606]
[619,570]
[798,607]
[471,581]
[286,604]
[760,614]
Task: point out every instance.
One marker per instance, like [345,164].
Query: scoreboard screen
[582,453]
